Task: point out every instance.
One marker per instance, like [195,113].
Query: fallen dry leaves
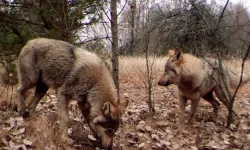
[139,129]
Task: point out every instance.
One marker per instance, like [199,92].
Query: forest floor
[139,128]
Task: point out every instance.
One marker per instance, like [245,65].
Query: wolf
[74,73]
[198,78]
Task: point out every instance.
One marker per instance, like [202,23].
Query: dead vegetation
[139,130]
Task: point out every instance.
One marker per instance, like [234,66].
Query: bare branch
[222,13]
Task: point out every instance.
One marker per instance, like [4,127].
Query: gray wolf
[197,78]
[75,74]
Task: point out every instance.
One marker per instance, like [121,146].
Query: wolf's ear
[171,52]
[122,105]
[178,53]
[106,108]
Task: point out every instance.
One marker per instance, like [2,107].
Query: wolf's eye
[169,68]
[173,70]
[109,131]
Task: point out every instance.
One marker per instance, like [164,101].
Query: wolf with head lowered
[198,78]
[75,74]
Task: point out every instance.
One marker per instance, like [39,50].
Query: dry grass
[134,69]
[45,132]
[135,66]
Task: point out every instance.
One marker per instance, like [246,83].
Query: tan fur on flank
[198,78]
[75,74]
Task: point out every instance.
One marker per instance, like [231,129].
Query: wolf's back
[51,59]
[234,79]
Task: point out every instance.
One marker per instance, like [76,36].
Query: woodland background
[134,36]
[194,25]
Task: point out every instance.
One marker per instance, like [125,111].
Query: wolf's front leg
[182,105]
[85,109]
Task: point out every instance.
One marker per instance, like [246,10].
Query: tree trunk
[132,23]
[115,51]
[149,69]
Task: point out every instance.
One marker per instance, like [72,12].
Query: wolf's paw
[190,121]
[24,112]
[180,128]
[67,140]
[15,108]
[214,116]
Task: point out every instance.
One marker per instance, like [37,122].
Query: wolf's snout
[163,83]
[107,143]
[109,148]
[110,145]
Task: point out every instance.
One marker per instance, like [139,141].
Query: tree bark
[132,23]
[115,51]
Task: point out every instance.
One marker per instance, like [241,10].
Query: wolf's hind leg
[21,98]
[194,105]
[21,90]
[41,90]
[27,77]
[210,98]
[64,114]
[223,99]
[221,96]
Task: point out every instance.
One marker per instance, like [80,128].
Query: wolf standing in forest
[74,73]
[196,78]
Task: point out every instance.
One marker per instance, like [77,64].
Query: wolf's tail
[234,79]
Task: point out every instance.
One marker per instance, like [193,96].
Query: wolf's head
[172,71]
[105,125]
